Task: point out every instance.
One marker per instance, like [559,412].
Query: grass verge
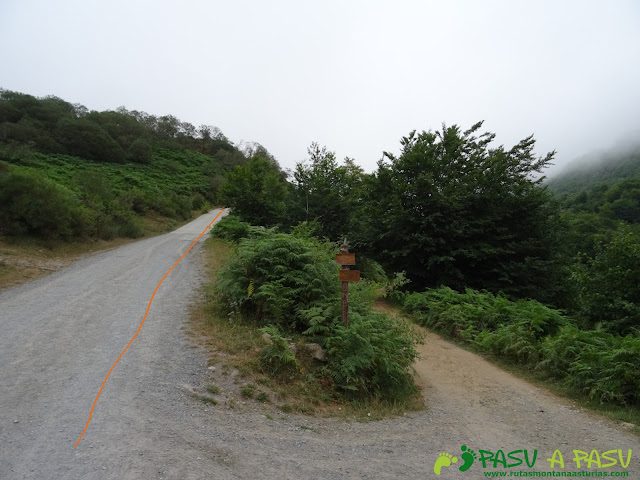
[23,259]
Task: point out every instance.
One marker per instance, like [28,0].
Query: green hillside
[67,172]
[603,169]
[607,186]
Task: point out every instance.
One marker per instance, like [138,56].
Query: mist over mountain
[602,167]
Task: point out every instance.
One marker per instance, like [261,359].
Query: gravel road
[60,335]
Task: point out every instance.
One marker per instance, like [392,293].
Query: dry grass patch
[25,259]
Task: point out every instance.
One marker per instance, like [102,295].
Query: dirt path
[59,335]
[495,409]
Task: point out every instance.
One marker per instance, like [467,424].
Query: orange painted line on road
[140,327]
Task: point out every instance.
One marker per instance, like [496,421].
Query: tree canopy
[256,192]
[452,210]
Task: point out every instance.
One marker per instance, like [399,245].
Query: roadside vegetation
[67,173]
[274,306]
[490,255]
[600,365]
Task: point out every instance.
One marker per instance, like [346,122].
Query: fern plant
[275,275]
[276,358]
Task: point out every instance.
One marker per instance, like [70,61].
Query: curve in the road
[140,327]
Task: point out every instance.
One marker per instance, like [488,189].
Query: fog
[355,76]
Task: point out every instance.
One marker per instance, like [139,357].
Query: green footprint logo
[468,456]
[444,460]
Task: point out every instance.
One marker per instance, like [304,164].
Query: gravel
[60,335]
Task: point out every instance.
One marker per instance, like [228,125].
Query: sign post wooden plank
[345,258]
[349,275]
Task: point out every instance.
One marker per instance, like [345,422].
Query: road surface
[60,335]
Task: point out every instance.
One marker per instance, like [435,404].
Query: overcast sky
[355,76]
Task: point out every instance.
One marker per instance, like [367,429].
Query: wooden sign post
[345,258]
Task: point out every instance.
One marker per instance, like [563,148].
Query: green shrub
[371,270]
[607,284]
[465,315]
[560,351]
[371,358]
[139,151]
[276,275]
[173,205]
[291,281]
[83,138]
[276,358]
[516,341]
[609,372]
[231,228]
[519,338]
[34,205]
[197,201]
[459,315]
[130,226]
[603,366]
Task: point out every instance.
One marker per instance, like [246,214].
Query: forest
[467,237]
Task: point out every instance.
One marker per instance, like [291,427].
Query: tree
[139,151]
[327,192]
[256,192]
[451,210]
[121,126]
[607,283]
[86,139]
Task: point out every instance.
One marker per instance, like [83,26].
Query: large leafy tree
[328,192]
[452,210]
[256,192]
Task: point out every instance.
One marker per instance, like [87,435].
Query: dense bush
[233,229]
[465,315]
[256,192]
[34,205]
[290,282]
[609,372]
[604,366]
[371,358]
[276,275]
[371,270]
[86,139]
[607,284]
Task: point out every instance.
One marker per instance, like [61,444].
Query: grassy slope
[179,172]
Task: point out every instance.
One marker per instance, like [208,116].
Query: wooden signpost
[345,259]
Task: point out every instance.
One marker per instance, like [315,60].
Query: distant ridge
[605,168]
